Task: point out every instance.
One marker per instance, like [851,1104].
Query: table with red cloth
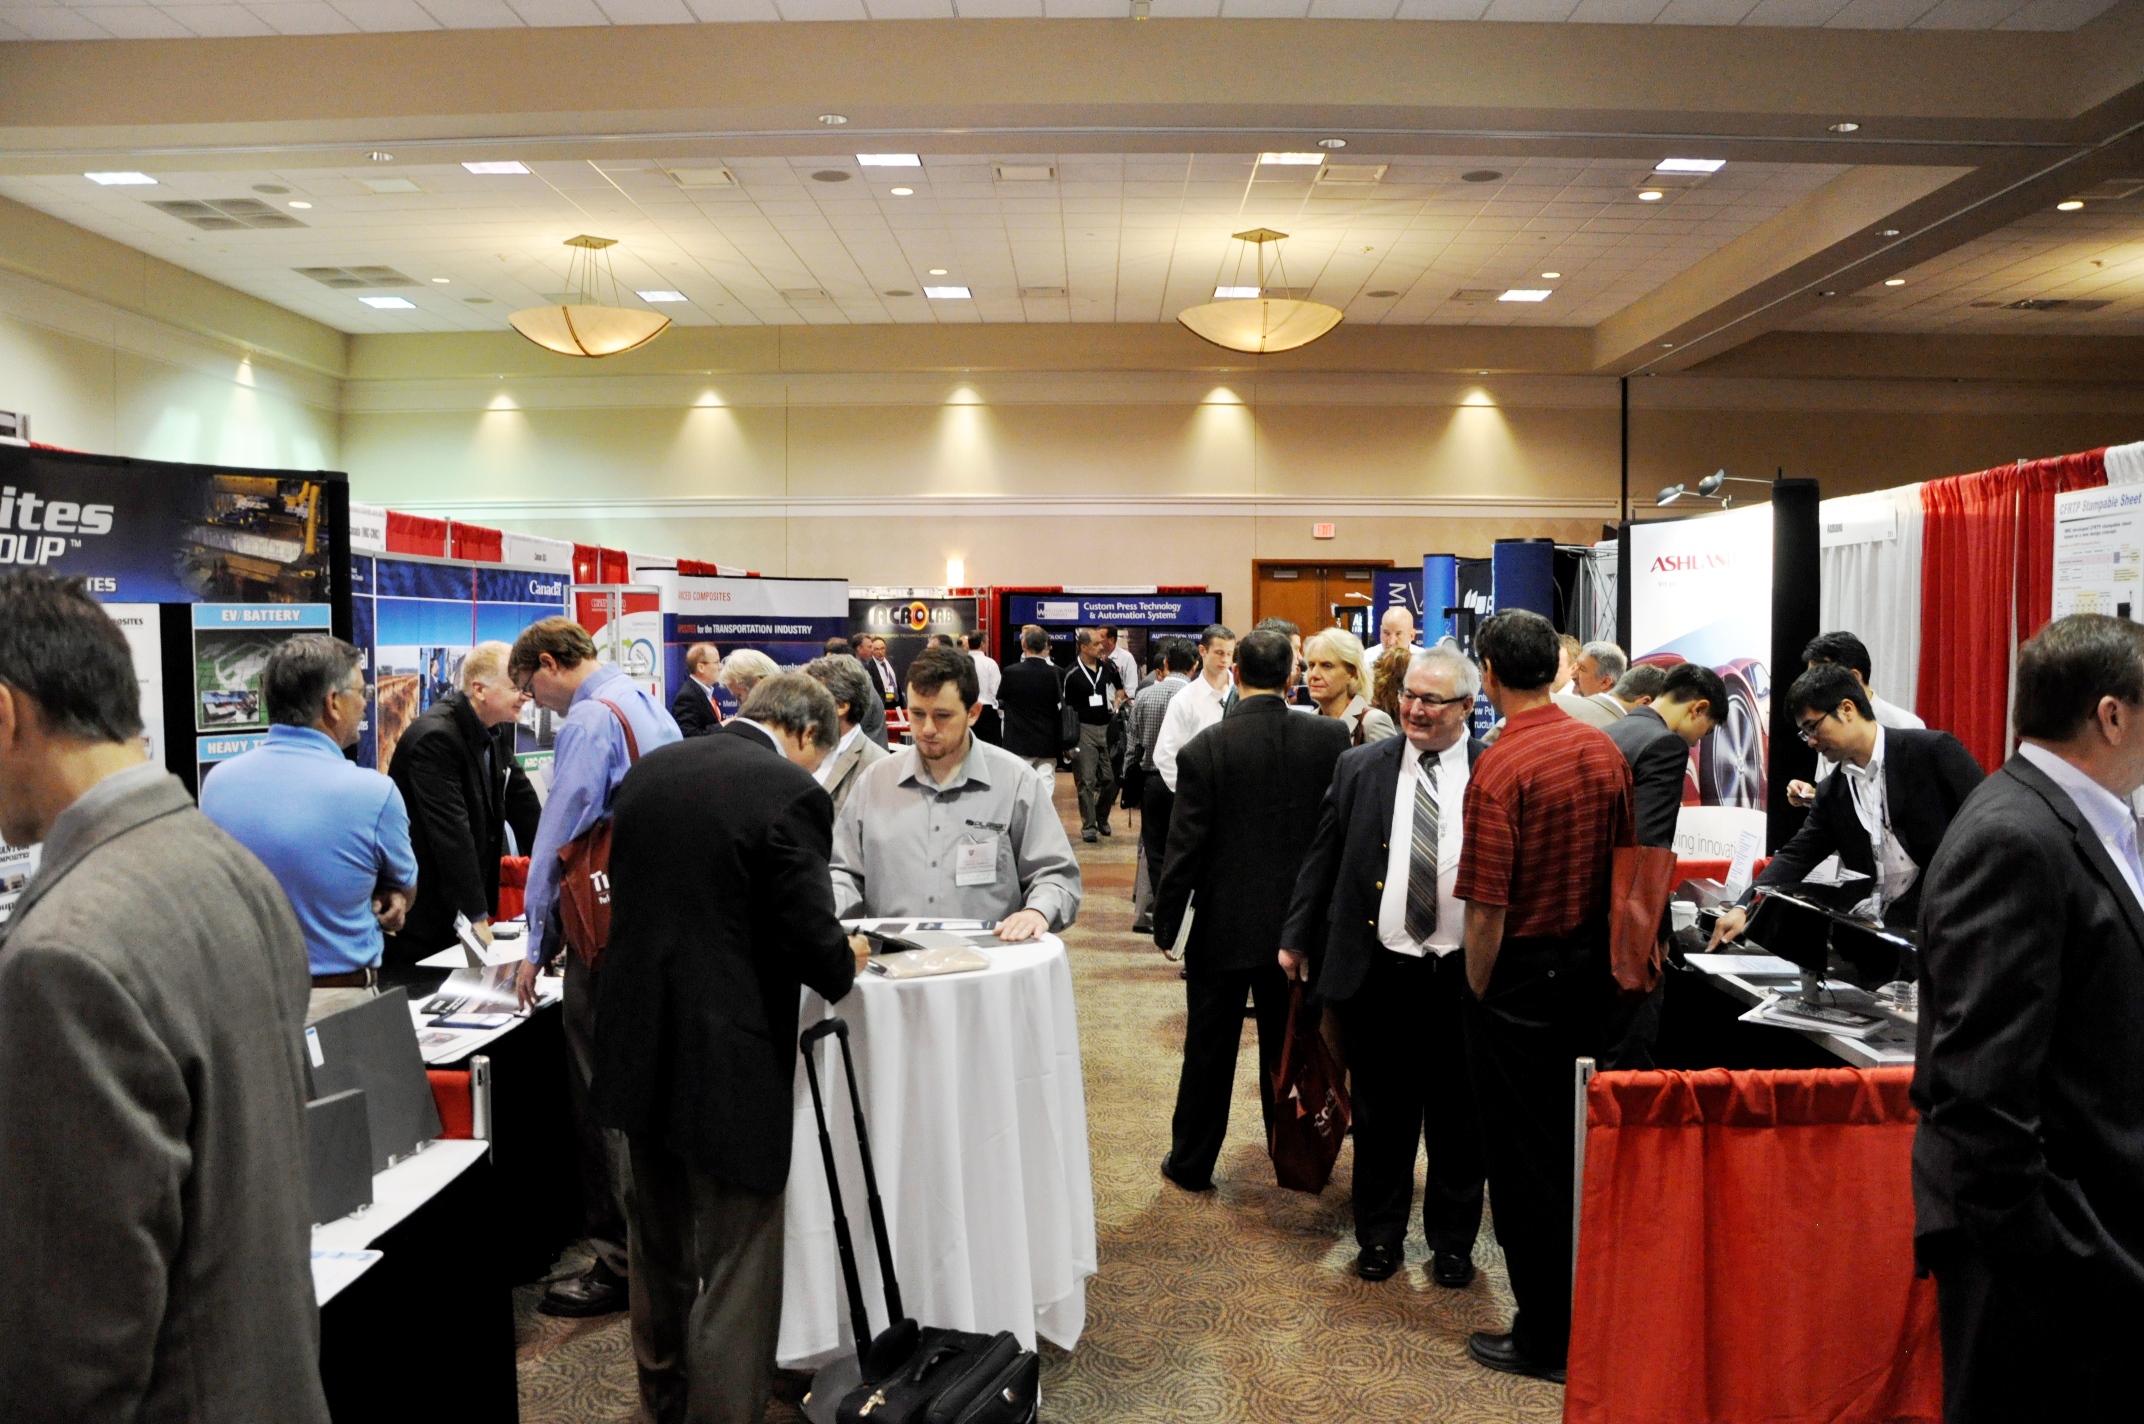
[1746,1252]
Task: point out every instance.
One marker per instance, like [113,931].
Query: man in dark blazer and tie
[2028,1163]
[1374,926]
[1656,740]
[694,706]
[1247,797]
[1892,798]
[722,907]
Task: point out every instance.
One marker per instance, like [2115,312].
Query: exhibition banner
[909,624]
[1395,588]
[1152,610]
[2099,552]
[1701,591]
[626,621]
[231,644]
[788,619]
[143,533]
[17,865]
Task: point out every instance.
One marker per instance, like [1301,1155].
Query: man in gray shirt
[953,827]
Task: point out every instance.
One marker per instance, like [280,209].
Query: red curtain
[617,566]
[587,564]
[1987,583]
[477,544]
[1746,1252]
[415,534]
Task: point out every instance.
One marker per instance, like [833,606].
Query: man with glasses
[1374,925]
[335,835]
[1883,815]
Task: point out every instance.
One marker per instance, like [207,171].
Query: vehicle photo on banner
[232,642]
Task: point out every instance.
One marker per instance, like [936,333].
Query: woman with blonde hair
[1337,675]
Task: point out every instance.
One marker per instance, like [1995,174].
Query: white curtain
[1871,569]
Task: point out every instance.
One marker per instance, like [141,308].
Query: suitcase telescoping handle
[859,1318]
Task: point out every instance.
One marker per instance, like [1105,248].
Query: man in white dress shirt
[990,726]
[1374,925]
[1850,652]
[1201,704]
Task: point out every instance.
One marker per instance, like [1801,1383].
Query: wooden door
[1306,593]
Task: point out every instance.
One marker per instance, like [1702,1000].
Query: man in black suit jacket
[1899,811]
[456,770]
[2028,1163]
[1384,951]
[722,906]
[1031,696]
[694,706]
[1247,796]
[1656,740]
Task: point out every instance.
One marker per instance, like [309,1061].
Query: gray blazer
[851,764]
[153,1201]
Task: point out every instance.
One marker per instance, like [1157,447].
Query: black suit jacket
[1926,778]
[1332,916]
[457,816]
[1658,762]
[721,906]
[694,710]
[2029,1077]
[1247,796]
[1031,696]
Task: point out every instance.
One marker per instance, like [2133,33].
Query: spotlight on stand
[1709,486]
[1668,496]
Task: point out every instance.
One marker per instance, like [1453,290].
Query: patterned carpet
[1239,1305]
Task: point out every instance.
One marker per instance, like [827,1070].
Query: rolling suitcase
[911,1374]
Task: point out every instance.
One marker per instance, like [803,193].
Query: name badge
[1094,699]
[976,862]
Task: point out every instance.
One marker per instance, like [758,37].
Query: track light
[1668,496]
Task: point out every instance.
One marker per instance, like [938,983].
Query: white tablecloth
[978,1118]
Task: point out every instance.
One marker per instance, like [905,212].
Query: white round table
[978,1117]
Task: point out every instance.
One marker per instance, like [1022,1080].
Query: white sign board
[1701,591]
[2099,552]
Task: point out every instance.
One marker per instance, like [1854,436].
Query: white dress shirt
[1191,712]
[1895,870]
[1451,796]
[2108,814]
[1127,669]
[1887,715]
[987,675]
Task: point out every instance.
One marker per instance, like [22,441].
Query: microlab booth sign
[1701,591]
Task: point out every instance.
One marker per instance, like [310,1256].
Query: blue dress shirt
[331,832]
[588,761]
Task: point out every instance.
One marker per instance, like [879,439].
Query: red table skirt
[1746,1253]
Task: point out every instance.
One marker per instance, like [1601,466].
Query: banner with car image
[1701,591]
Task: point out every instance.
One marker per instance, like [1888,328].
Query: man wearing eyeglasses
[1374,923]
[1883,814]
[334,835]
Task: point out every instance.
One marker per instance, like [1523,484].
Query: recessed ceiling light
[1888,232]
[2070,206]
[1286,160]
[389,303]
[297,204]
[1827,292]
[1651,195]
[1525,294]
[937,271]
[121,180]
[1233,294]
[1689,165]
[507,165]
[831,175]
[1846,128]
[380,156]
[442,281]
[1383,292]
[660,295]
[946,294]
[897,292]
[1550,276]
[904,192]
[1480,175]
[833,121]
[1332,143]
[888,160]
[1894,281]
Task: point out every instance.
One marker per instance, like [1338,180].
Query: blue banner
[1147,610]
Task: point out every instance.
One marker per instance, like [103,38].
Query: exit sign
[1321,531]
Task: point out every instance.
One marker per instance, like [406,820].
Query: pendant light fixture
[581,325]
[1249,320]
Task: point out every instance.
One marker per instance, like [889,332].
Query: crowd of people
[1312,817]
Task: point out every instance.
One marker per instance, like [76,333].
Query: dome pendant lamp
[1257,323]
[580,325]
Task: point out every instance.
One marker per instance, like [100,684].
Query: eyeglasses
[1807,730]
[1429,699]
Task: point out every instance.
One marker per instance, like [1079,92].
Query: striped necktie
[1422,854]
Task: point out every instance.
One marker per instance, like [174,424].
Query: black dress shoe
[596,1291]
[1088,835]
[1452,1270]
[1501,1352]
[1103,827]
[1168,1170]
[1377,1263]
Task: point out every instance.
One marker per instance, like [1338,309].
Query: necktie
[1422,855]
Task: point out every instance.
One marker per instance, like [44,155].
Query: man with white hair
[1594,673]
[744,670]
[1374,924]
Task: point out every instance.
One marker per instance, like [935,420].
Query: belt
[364,978]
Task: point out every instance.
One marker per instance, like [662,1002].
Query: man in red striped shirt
[1545,808]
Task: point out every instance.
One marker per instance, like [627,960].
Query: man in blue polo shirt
[334,834]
